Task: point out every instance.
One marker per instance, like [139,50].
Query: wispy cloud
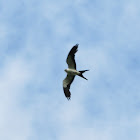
[34,42]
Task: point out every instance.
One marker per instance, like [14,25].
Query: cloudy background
[35,38]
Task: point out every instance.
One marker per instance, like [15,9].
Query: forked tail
[81,73]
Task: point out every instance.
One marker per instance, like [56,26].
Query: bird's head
[65,70]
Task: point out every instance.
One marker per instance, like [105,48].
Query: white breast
[73,72]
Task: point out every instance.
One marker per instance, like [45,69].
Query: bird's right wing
[66,85]
[71,57]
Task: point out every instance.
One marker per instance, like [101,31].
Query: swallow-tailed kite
[71,71]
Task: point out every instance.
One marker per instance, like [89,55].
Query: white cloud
[32,102]
[15,121]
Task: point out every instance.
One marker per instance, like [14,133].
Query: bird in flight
[71,71]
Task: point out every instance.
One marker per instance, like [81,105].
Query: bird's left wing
[66,85]
[71,57]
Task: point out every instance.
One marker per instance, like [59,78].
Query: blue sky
[35,38]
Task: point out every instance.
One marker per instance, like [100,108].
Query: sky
[35,38]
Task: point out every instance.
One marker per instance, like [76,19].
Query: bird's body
[71,71]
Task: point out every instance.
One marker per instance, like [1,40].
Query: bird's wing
[66,85]
[71,57]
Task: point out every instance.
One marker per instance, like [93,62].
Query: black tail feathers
[81,73]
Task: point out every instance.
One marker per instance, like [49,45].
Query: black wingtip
[67,93]
[68,98]
[73,50]
[76,46]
